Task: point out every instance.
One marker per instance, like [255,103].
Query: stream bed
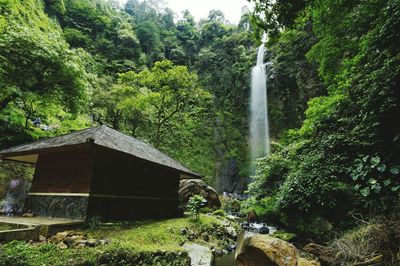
[228,259]
[225,260]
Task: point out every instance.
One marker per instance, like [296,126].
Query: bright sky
[232,9]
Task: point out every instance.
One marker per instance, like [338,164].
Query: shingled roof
[102,136]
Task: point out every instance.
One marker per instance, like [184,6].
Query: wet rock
[62,245]
[305,262]
[256,249]
[191,187]
[57,238]
[75,239]
[91,242]
[199,255]
[263,230]
[323,254]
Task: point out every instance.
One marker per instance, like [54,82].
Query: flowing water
[225,260]
[259,128]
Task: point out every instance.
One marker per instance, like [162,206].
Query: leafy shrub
[230,205]
[376,180]
[195,204]
[269,175]
[265,208]
[220,213]
[286,236]
[124,256]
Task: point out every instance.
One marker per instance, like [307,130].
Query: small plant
[195,204]
[93,223]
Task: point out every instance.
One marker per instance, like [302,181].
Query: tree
[195,204]
[273,16]
[162,93]
[149,36]
[344,157]
[30,105]
[37,60]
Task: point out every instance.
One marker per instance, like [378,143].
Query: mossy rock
[286,236]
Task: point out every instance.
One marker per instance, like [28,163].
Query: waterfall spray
[259,128]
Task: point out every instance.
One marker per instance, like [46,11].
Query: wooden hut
[100,172]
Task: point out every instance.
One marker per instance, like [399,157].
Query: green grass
[6,226]
[131,243]
[150,235]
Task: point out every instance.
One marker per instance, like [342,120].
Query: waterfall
[259,129]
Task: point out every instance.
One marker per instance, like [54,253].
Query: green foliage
[277,14]
[131,243]
[293,80]
[375,179]
[195,204]
[269,175]
[37,60]
[230,205]
[220,213]
[265,208]
[286,236]
[164,106]
[10,170]
[344,157]
[226,54]
[69,63]
[20,253]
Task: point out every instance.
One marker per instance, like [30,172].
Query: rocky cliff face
[229,180]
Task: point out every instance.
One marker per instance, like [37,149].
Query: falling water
[259,129]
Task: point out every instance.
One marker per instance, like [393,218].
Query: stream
[225,260]
[229,258]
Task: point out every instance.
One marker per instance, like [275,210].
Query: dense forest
[183,87]
[72,64]
[342,159]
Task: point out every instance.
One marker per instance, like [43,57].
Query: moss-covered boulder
[191,187]
[256,249]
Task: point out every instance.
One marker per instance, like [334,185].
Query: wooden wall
[68,171]
[125,187]
[120,186]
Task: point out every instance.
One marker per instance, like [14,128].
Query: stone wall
[73,207]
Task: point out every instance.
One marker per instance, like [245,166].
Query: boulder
[305,262]
[199,255]
[325,256]
[191,187]
[255,249]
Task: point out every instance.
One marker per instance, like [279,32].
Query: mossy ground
[131,243]
[151,235]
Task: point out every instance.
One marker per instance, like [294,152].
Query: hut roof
[102,136]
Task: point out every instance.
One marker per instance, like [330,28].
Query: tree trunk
[5,102]
[26,122]
[157,140]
